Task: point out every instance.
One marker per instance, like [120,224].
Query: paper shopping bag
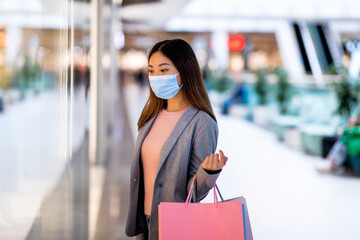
[247,226]
[211,221]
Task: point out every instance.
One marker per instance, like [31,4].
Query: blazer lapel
[142,134]
[175,134]
[145,131]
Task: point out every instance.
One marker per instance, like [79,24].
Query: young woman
[177,138]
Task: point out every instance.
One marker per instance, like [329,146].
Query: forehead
[158,58]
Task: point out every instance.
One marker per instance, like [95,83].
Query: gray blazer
[193,138]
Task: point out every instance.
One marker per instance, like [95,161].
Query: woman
[176,141]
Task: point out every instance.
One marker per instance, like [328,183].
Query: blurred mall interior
[282,77]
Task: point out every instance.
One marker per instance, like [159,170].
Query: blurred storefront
[53,129]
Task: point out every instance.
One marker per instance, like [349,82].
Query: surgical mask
[165,86]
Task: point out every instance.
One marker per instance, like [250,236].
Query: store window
[252,51]
[44,81]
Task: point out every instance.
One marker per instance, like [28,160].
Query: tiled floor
[287,198]
[114,202]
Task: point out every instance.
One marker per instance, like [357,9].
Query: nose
[157,72]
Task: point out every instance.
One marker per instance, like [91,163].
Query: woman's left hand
[214,162]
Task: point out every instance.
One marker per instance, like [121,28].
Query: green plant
[283,89]
[337,69]
[261,86]
[347,94]
[220,81]
[27,75]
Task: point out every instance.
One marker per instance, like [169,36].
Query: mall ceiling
[132,2]
[150,14]
[207,15]
[180,15]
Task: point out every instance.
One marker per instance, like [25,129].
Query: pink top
[151,148]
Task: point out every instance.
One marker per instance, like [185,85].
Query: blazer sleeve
[205,142]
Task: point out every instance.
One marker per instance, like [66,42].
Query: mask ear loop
[176,79]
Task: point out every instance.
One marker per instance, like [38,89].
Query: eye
[164,70]
[150,71]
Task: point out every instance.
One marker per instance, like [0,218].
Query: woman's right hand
[215,162]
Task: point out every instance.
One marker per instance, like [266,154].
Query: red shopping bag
[211,221]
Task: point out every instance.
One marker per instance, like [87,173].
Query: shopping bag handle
[190,194]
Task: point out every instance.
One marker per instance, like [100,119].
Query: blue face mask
[165,87]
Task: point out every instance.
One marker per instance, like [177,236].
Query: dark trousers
[327,144]
[145,235]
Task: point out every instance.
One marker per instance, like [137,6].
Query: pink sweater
[151,148]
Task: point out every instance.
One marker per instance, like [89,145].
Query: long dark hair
[183,57]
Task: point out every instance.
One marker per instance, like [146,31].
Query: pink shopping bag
[211,221]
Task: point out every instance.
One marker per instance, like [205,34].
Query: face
[160,65]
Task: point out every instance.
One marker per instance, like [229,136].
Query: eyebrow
[161,64]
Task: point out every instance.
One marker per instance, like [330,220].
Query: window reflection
[44,166]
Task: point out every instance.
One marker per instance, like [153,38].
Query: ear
[179,81]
